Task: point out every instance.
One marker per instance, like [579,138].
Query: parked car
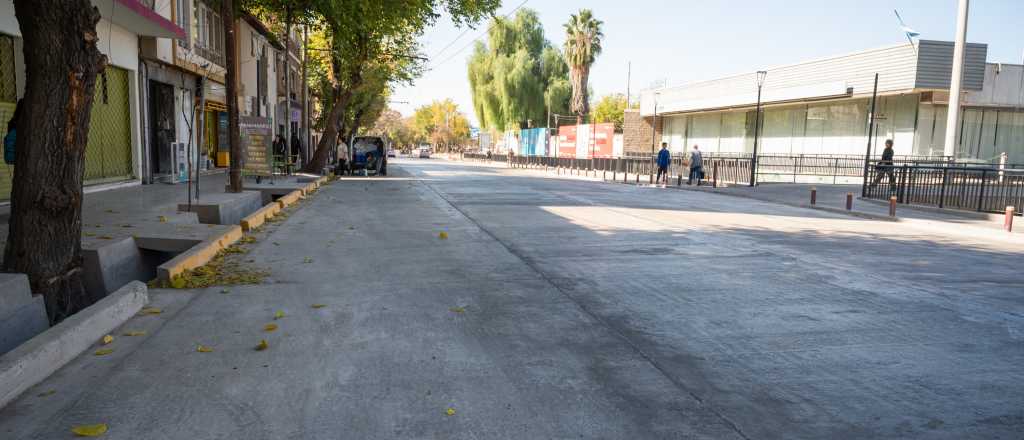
[367,154]
[392,152]
[424,153]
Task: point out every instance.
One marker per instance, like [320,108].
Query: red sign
[567,141]
[603,139]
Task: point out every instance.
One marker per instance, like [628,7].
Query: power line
[477,37]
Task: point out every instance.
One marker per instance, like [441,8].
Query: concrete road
[567,309]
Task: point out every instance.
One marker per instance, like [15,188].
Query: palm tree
[582,45]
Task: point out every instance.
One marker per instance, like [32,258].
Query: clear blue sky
[686,40]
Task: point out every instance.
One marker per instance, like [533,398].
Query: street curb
[198,255]
[289,198]
[39,357]
[996,218]
[261,215]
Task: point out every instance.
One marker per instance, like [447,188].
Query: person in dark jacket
[296,148]
[12,134]
[884,167]
[664,159]
[696,166]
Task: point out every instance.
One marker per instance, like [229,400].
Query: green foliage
[517,75]
[582,46]
[371,46]
[610,108]
[442,124]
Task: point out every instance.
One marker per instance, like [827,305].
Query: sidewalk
[831,198]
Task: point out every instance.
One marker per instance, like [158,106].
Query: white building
[113,154]
[822,106]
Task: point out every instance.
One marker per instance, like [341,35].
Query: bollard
[849,201]
[1008,223]
[814,196]
[892,206]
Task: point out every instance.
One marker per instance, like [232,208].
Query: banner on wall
[567,141]
[533,142]
[586,141]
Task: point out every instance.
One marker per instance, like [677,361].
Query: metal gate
[108,155]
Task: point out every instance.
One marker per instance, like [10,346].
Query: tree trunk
[580,102]
[61,64]
[231,90]
[329,139]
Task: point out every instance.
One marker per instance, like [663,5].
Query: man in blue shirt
[664,158]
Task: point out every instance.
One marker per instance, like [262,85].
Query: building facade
[822,107]
[113,155]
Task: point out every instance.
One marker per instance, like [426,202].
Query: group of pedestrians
[694,162]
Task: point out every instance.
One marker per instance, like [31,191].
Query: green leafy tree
[610,108]
[442,124]
[381,34]
[582,46]
[517,76]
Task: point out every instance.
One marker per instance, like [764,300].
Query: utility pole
[629,75]
[287,83]
[956,81]
[761,74]
[654,123]
[231,83]
[305,91]
[871,134]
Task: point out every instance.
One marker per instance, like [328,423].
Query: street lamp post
[761,74]
[654,124]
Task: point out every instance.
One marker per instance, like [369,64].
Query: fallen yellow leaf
[319,306]
[270,327]
[47,393]
[451,411]
[458,309]
[279,314]
[90,430]
[262,345]
[204,349]
[162,219]
[135,333]
[443,235]
[108,339]
[103,351]
[152,311]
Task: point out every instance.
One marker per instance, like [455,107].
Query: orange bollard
[1008,223]
[814,196]
[849,201]
[892,206]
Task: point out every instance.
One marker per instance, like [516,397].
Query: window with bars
[209,34]
[183,18]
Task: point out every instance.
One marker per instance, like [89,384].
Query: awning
[137,18]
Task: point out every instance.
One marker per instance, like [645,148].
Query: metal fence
[983,189]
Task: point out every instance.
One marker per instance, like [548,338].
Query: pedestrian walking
[664,159]
[696,166]
[885,167]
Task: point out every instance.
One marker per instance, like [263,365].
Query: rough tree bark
[329,139]
[45,228]
[579,102]
[231,90]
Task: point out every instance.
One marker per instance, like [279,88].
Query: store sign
[257,154]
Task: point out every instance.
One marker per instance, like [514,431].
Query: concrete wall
[1003,86]
[901,68]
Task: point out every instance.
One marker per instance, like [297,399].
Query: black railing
[717,170]
[983,189]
